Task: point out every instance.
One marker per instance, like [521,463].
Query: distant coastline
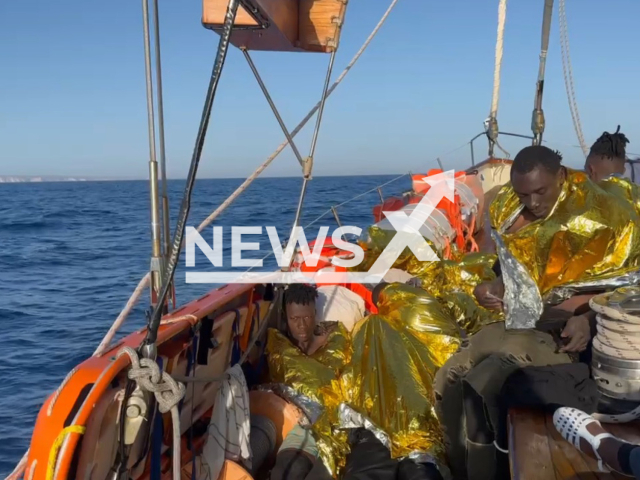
[49,178]
[58,178]
[37,179]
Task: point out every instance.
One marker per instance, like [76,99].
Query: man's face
[301,320]
[538,190]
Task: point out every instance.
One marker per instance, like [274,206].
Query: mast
[537,119]
[156,245]
[166,234]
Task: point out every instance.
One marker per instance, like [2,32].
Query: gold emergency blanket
[591,234]
[376,240]
[623,187]
[451,281]
[463,272]
[309,375]
[395,357]
[315,377]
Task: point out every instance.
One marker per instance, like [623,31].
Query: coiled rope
[618,332]
[567,71]
[618,337]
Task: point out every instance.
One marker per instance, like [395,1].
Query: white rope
[20,468]
[617,331]
[568,76]
[59,389]
[168,393]
[495,98]
[619,418]
[135,296]
[32,470]
[492,121]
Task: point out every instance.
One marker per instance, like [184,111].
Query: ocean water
[72,253]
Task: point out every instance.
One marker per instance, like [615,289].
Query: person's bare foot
[609,447]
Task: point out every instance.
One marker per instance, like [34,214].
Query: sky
[72,87]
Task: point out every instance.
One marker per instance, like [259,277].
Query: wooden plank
[320,22]
[529,446]
[214,11]
[280,18]
[531,432]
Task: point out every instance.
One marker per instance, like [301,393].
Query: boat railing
[481,134]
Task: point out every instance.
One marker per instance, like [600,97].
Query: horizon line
[83,178]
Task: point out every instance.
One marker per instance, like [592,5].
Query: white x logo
[408,226]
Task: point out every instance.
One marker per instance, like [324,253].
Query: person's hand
[578,333]
[489,294]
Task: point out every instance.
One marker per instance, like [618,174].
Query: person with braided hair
[607,157]
[608,166]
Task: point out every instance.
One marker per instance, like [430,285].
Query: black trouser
[297,465]
[369,460]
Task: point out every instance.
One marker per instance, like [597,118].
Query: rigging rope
[567,71]
[492,121]
[20,468]
[495,98]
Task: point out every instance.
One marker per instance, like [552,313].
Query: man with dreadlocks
[606,165]
[553,228]
[608,157]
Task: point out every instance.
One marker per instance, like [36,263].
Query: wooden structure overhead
[280,25]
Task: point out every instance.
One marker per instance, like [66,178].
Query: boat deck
[540,453]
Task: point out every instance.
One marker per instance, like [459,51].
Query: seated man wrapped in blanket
[374,386]
[560,238]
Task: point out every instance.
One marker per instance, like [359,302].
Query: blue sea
[72,253]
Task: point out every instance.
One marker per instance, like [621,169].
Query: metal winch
[616,347]
[616,378]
